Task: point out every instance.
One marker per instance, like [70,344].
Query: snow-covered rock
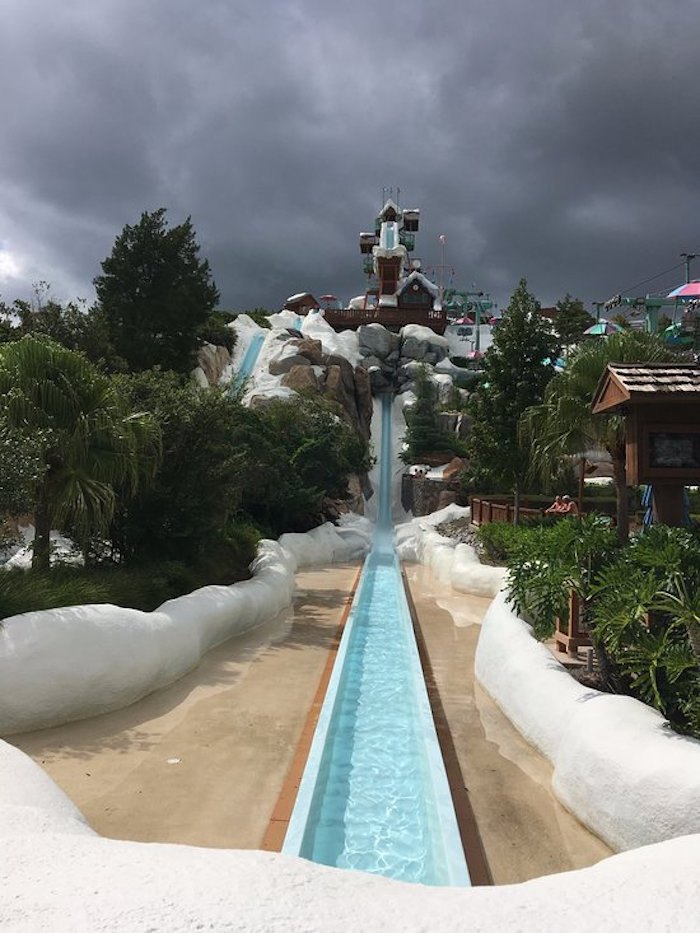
[376,339]
[417,340]
[58,665]
[617,764]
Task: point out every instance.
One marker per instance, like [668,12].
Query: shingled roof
[640,383]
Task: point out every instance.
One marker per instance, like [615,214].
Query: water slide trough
[374,795]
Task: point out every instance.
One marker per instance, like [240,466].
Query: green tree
[156,293]
[89,442]
[199,484]
[571,320]
[563,423]
[72,325]
[301,451]
[517,369]
[424,431]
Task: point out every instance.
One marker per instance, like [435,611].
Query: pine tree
[517,369]
[571,320]
[424,432]
[156,294]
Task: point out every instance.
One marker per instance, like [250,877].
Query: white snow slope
[57,875]
[617,764]
[58,665]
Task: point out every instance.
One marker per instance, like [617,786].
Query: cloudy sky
[553,139]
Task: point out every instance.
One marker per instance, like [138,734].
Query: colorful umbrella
[689,290]
[602,329]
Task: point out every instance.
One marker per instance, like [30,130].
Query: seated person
[569,506]
[557,506]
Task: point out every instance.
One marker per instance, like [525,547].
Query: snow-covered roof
[298,296]
[423,280]
[388,301]
[390,205]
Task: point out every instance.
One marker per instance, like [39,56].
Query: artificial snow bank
[59,665]
[617,764]
[453,563]
[58,875]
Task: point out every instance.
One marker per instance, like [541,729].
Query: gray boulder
[283,365]
[376,338]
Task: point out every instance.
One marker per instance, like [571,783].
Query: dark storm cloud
[544,140]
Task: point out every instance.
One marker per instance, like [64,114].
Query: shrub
[552,561]
[145,587]
[216,330]
[646,611]
[497,541]
[261,317]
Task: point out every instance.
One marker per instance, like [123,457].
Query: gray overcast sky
[550,139]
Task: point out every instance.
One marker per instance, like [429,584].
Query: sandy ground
[202,762]
[526,832]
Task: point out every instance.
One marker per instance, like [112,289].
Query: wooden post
[575,637]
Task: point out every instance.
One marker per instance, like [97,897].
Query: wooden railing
[352,318]
[495,510]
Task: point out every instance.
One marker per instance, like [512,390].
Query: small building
[301,303]
[661,406]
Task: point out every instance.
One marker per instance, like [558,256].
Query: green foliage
[21,468]
[498,541]
[216,330]
[303,453]
[622,321]
[87,441]
[646,611]
[156,294]
[73,325]
[515,378]
[424,432]
[225,465]
[144,587]
[550,562]
[261,316]
[571,320]
[198,484]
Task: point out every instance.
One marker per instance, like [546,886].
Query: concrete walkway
[525,831]
[202,762]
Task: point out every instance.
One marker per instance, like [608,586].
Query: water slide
[248,362]
[374,795]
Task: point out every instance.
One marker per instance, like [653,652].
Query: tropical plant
[89,442]
[553,561]
[646,611]
[563,424]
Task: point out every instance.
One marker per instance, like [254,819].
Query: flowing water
[374,795]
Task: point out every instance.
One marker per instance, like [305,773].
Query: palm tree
[564,423]
[89,443]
